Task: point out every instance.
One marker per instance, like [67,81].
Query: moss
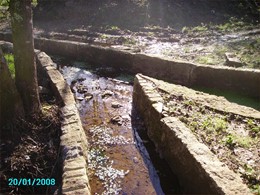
[209,59]
[10,61]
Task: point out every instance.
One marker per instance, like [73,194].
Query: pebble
[135,160]
[107,93]
[116,105]
[80,98]
[81,89]
[117,119]
[88,96]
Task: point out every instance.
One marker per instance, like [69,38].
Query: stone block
[158,106]
[72,152]
[71,128]
[74,173]
[70,119]
[70,137]
[84,191]
[155,99]
[75,183]
[74,164]
[69,110]
[55,76]
[65,92]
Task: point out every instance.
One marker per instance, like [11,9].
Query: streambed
[118,162]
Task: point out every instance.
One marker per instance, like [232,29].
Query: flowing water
[121,159]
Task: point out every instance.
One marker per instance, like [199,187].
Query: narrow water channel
[121,159]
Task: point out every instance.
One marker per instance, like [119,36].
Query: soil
[30,149]
[160,28]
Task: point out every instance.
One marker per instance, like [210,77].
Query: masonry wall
[243,81]
[198,170]
[73,141]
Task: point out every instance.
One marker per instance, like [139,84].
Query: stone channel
[118,162]
[105,110]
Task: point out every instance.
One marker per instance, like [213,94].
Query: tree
[24,57]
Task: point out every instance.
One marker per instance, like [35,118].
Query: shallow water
[118,160]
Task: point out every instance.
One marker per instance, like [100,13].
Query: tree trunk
[11,106]
[24,57]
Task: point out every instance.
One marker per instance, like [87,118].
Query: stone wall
[73,140]
[198,169]
[243,81]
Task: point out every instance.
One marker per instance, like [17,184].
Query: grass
[232,97]
[232,25]
[10,62]
[210,124]
[252,125]
[232,139]
[209,59]
[199,29]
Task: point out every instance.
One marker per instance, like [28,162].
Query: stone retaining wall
[243,81]
[73,140]
[198,169]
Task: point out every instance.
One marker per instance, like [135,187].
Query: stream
[121,158]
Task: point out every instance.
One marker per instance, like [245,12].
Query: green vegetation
[4,3]
[231,140]
[253,127]
[10,62]
[34,3]
[210,124]
[248,51]
[232,97]
[129,41]
[209,59]
[113,28]
[104,36]
[3,10]
[232,25]
[197,29]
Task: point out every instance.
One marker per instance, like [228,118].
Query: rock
[80,98]
[116,105]
[107,93]
[117,119]
[88,96]
[72,89]
[135,160]
[73,82]
[82,89]
[43,90]
[232,60]
[81,79]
